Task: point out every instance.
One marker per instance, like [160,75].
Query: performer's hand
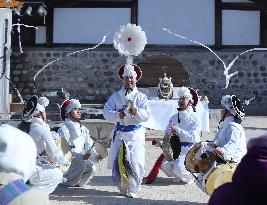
[54,135]
[99,158]
[218,151]
[86,156]
[66,162]
[174,128]
[122,115]
[132,111]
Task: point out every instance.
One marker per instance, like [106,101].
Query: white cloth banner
[162,111]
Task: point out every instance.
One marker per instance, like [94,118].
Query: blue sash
[187,144]
[12,190]
[124,128]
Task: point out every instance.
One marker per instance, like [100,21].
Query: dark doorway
[155,66]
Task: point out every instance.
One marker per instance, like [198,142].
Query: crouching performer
[85,157]
[182,132]
[186,126]
[47,175]
[213,163]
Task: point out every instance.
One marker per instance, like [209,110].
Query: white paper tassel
[247,102]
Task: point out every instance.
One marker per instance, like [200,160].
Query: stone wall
[92,75]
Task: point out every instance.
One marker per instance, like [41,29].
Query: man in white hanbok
[229,143]
[185,125]
[85,157]
[47,176]
[128,108]
[230,139]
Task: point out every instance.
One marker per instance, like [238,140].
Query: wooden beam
[218,24]
[134,11]
[263,29]
[50,24]
[91,4]
[240,6]
[261,3]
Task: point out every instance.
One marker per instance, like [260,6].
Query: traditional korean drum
[171,147]
[64,146]
[202,160]
[199,159]
[101,149]
[218,176]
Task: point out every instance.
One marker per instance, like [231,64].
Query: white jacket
[79,139]
[40,132]
[189,127]
[116,101]
[231,138]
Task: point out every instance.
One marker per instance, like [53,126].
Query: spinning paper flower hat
[130,40]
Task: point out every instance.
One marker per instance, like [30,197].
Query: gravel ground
[164,191]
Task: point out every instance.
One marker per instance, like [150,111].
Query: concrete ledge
[100,130]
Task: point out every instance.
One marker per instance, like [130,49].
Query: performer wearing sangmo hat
[85,157]
[186,126]
[230,139]
[128,131]
[47,176]
[128,108]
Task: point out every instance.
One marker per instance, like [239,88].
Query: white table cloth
[162,110]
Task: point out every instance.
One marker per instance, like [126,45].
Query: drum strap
[187,144]
[12,190]
[124,128]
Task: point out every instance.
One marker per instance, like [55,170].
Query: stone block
[56,54]
[16,72]
[19,66]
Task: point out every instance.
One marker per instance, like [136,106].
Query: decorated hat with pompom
[189,93]
[33,106]
[67,106]
[130,40]
[233,105]
[128,72]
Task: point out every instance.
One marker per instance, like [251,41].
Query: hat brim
[63,108]
[137,69]
[29,107]
[194,96]
[238,106]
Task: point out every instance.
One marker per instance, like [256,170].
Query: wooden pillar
[263,28]
[50,23]
[218,24]
[134,12]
